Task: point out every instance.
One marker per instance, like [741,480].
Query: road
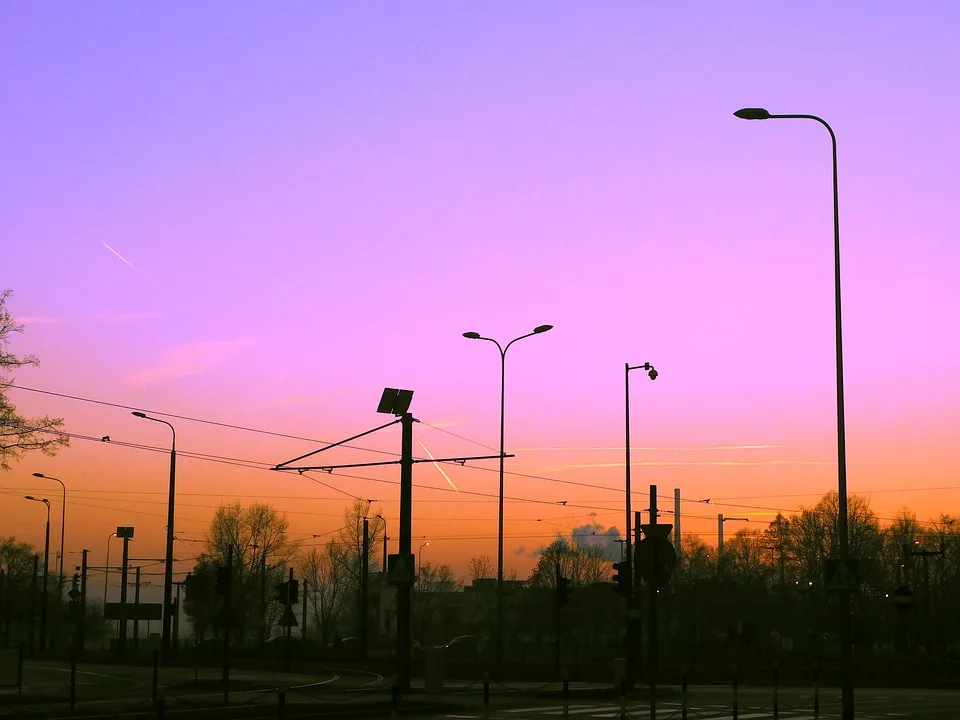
[127,691]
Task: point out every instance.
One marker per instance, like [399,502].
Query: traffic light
[563,591]
[280,591]
[293,595]
[223,580]
[621,577]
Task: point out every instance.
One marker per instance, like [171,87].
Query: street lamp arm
[173,430]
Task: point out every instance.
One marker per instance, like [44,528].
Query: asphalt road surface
[111,691]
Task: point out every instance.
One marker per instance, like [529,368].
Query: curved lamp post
[846,649]
[503,364]
[168,570]
[46,572]
[63,519]
[106,573]
[633,631]
[420,557]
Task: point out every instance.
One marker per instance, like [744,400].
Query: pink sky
[262,215]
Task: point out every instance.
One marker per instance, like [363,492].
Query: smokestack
[676,524]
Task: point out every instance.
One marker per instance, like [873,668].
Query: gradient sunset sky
[260,214]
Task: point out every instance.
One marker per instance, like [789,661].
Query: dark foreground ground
[118,691]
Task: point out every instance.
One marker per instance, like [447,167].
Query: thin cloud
[40,320]
[126,317]
[186,360]
[122,258]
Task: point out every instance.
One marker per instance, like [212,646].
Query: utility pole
[676,523]
[227,614]
[557,628]
[303,616]
[122,635]
[406,537]
[83,602]
[263,599]
[176,623]
[636,647]
[136,611]
[364,588]
[719,541]
[33,601]
[654,632]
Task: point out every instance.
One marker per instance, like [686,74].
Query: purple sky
[317,199]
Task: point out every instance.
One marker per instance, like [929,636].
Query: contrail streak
[437,466]
[122,258]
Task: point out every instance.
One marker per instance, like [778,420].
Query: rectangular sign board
[134,611]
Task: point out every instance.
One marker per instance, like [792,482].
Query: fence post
[623,698]
[736,694]
[683,695]
[156,674]
[161,703]
[20,669]
[395,699]
[73,682]
[281,702]
[486,695]
[566,694]
[776,689]
[816,690]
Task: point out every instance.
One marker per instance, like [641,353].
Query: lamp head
[137,413]
[752,114]
[472,335]
[652,374]
[38,475]
[542,328]
[29,497]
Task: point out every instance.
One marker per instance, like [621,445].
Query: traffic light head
[621,578]
[280,593]
[294,594]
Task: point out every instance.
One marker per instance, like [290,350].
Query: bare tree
[582,565]
[480,567]
[19,435]
[326,571]
[261,552]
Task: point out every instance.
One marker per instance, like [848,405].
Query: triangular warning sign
[842,578]
[288,619]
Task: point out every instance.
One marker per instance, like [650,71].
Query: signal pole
[654,641]
[364,588]
[83,601]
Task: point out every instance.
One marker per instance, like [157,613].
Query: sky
[261,214]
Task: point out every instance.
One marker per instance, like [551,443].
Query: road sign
[125,532]
[133,611]
[843,576]
[74,594]
[656,559]
[288,619]
[658,530]
[400,569]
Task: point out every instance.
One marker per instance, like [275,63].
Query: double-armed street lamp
[846,625]
[63,519]
[46,572]
[503,364]
[168,570]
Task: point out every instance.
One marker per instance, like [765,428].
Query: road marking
[539,708]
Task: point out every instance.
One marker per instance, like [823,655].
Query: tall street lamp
[846,629]
[63,518]
[420,557]
[106,572]
[46,572]
[632,633]
[503,365]
[168,570]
